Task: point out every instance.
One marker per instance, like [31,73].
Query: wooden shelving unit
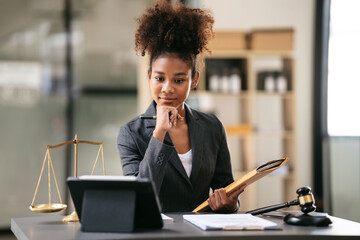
[248,141]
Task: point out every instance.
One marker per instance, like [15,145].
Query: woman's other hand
[220,202]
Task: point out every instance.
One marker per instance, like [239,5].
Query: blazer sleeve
[145,160]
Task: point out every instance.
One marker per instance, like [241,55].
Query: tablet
[134,197]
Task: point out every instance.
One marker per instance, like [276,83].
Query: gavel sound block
[306,201]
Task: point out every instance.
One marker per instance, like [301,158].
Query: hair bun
[176,28]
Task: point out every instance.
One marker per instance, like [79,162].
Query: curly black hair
[178,29]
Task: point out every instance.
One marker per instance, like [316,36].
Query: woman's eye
[159,78]
[179,80]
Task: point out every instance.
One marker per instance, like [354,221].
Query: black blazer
[145,156]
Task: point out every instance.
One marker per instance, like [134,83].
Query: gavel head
[306,199]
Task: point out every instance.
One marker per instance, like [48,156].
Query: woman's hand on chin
[166,118]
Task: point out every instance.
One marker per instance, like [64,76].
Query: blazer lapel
[196,141]
[150,123]
[176,162]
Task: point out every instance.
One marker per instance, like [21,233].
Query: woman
[183,150]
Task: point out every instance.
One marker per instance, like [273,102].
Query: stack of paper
[230,222]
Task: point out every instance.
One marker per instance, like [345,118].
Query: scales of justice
[57,207]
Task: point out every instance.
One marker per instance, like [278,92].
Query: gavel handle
[273,207]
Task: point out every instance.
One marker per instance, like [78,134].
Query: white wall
[300,15]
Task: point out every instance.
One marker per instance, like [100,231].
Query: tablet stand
[108,211]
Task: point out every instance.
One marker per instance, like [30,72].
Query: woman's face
[170,81]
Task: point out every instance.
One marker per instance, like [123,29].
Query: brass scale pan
[48,208]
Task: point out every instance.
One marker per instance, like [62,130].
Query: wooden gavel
[305,199]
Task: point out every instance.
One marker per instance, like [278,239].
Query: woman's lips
[167,99]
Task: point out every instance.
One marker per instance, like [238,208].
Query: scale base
[73,217]
[307,220]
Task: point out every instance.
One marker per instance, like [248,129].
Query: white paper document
[230,222]
[166,218]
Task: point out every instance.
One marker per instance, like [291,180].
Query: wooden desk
[53,228]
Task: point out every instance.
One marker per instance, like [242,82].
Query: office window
[344,75]
[342,146]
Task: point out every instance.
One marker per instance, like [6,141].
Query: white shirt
[186,159]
